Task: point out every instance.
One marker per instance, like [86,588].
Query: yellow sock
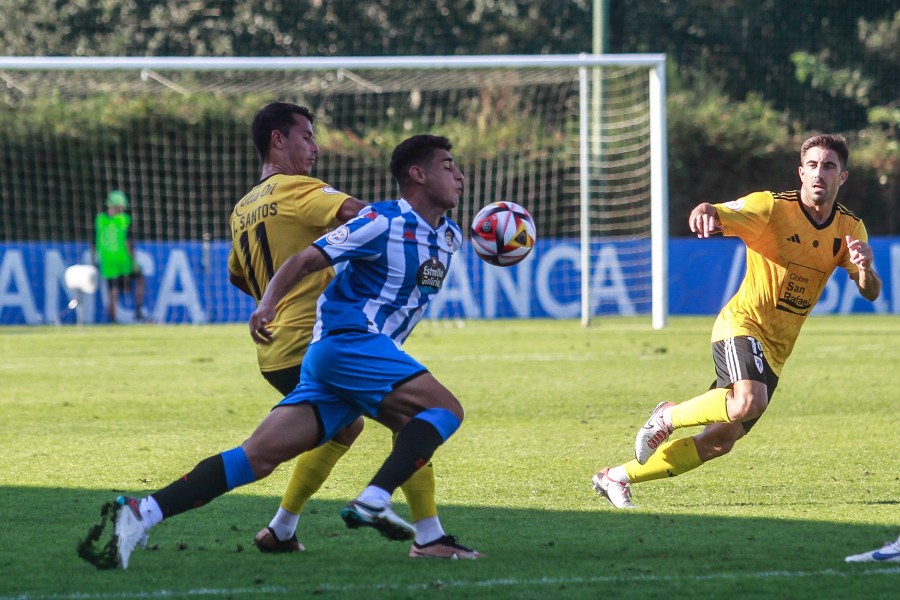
[671,459]
[310,472]
[704,409]
[419,492]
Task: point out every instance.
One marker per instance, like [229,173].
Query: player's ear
[844,176]
[417,174]
[276,139]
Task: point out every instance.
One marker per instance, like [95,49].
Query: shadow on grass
[531,554]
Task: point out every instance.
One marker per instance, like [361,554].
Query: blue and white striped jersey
[396,264]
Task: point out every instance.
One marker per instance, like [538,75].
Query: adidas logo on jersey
[794,238]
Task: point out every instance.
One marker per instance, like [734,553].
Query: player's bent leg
[673,458]
[415,396]
[717,439]
[426,414]
[433,413]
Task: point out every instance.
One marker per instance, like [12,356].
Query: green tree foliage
[301,28]
[748,79]
[874,84]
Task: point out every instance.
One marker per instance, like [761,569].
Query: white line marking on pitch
[438,584]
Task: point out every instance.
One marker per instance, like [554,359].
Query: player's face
[444,180]
[299,145]
[821,176]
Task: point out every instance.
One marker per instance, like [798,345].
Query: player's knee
[265,457]
[710,449]
[720,448]
[747,405]
[261,464]
[716,442]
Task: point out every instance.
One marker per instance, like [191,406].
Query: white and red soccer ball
[503,233]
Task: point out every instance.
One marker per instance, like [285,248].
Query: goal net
[578,140]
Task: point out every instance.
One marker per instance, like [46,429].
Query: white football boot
[618,493]
[890,552]
[130,530]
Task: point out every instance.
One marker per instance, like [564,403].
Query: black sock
[414,447]
[206,482]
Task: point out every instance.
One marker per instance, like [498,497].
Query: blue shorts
[346,375]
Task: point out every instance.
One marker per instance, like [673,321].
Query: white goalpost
[590,164]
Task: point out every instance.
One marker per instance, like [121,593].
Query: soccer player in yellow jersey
[794,240]
[281,216]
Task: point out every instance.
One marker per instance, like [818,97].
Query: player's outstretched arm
[349,209]
[704,221]
[290,274]
[867,280]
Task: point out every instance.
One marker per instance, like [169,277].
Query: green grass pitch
[88,413]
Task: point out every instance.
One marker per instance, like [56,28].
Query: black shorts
[740,358]
[284,380]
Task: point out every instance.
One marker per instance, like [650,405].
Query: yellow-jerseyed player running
[795,240]
[281,216]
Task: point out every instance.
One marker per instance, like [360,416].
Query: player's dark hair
[828,141]
[277,115]
[415,151]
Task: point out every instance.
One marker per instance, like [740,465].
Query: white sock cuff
[619,474]
[428,530]
[150,511]
[374,495]
[284,524]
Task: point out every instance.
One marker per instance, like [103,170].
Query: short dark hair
[828,141]
[416,150]
[277,115]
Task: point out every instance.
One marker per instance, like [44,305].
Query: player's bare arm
[704,221]
[349,209]
[867,280]
[290,274]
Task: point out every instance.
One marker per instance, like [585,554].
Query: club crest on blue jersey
[431,275]
[338,236]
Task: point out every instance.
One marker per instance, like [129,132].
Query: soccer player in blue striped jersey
[285,212]
[397,254]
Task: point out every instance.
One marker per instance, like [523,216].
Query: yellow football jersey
[789,259]
[278,218]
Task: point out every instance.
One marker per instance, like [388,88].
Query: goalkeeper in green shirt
[115,254]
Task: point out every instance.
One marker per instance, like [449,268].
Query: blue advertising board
[187,282]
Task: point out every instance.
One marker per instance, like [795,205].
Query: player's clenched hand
[704,220]
[860,253]
[258,321]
